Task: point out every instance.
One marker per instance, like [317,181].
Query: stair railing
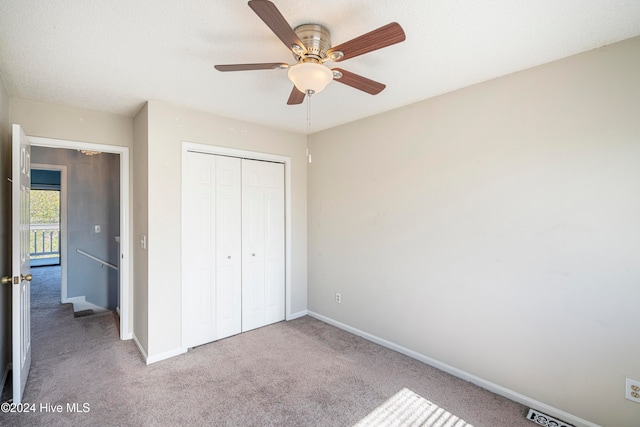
[95,258]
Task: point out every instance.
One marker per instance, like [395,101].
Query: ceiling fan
[311,48]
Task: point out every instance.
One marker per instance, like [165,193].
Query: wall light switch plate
[97,228]
[143,241]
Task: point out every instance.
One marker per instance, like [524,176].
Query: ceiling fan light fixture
[310,77]
[89,152]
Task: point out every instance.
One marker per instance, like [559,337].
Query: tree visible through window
[45,224]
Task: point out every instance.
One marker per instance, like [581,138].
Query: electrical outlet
[338,298]
[632,390]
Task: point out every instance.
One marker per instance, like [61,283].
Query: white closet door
[211,252]
[228,306]
[263,252]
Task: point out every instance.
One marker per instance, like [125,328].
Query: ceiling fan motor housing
[317,41]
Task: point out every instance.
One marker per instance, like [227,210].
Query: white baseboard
[480,382]
[297,315]
[166,355]
[81,303]
[156,358]
[73,299]
[140,348]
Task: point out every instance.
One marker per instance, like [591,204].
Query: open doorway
[44,238]
[92,206]
[94,222]
[47,178]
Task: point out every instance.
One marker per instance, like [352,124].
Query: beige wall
[140,214]
[5,230]
[73,124]
[169,126]
[495,229]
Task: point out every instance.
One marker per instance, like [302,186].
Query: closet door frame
[242,154]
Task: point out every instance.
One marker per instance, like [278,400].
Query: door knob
[6,280]
[28,277]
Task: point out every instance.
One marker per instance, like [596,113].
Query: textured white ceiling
[113,55]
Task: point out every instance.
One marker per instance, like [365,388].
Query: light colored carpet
[298,373]
[408,409]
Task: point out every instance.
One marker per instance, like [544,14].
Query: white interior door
[263,250]
[211,248]
[21,292]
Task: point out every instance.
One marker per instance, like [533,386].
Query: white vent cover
[545,420]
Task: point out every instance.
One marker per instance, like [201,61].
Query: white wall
[168,127]
[495,229]
[5,231]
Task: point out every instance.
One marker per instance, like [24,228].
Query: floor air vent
[545,420]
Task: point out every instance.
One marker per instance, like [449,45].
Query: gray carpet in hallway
[298,373]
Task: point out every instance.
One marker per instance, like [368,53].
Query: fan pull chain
[308,124]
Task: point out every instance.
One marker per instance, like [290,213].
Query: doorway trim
[63,223]
[251,155]
[126,308]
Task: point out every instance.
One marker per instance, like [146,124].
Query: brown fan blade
[271,16]
[248,67]
[296,97]
[377,39]
[356,81]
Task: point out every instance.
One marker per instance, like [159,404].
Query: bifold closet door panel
[212,251]
[228,305]
[263,251]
